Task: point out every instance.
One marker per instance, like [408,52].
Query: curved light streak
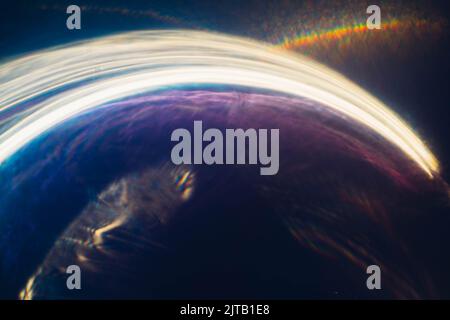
[115,67]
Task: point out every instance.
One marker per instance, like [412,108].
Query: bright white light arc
[115,67]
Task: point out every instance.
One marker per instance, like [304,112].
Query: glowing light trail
[115,67]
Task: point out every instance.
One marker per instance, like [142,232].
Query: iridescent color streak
[338,33]
[87,75]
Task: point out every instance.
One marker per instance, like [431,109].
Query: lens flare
[44,89]
[336,34]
